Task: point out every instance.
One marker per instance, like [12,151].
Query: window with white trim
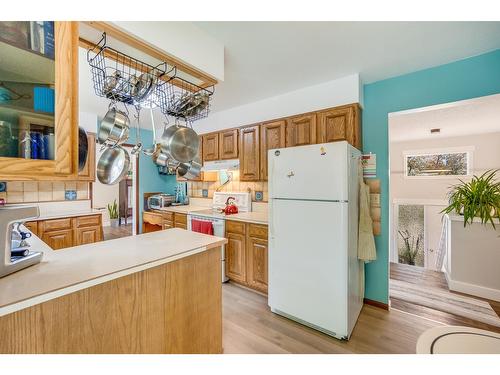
[438,164]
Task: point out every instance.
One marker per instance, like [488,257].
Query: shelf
[23,65]
[19,111]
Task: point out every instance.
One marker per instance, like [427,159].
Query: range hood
[219,165]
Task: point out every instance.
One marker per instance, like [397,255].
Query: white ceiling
[462,118]
[265,59]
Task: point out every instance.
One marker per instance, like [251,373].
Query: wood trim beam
[151,50]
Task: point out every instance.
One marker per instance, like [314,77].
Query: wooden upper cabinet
[339,124]
[210,147]
[272,135]
[42,141]
[249,153]
[88,171]
[301,130]
[228,144]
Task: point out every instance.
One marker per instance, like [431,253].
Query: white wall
[341,91]
[486,155]
[183,40]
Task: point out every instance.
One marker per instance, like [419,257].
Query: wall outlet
[204,193]
[259,196]
[70,195]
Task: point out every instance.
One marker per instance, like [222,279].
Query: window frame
[468,150]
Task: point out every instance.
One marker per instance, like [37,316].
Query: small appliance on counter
[16,253]
[158,201]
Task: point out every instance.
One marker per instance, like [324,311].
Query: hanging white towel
[366,241]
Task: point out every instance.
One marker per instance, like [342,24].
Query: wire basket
[182,99]
[122,78]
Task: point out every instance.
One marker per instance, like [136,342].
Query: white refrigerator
[314,272]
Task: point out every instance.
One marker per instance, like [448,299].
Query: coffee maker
[15,253]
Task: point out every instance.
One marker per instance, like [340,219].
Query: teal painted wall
[149,178]
[464,79]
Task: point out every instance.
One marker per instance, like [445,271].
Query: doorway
[430,150]
[125,194]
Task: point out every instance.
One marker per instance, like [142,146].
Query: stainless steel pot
[180,143]
[190,170]
[113,165]
[114,128]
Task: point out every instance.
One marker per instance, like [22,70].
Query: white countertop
[66,271]
[57,215]
[182,209]
[251,217]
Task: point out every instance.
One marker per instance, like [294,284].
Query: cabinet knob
[291,174]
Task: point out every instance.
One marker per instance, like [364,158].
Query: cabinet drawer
[88,221]
[167,225]
[180,219]
[56,224]
[256,230]
[152,218]
[32,226]
[235,227]
[169,216]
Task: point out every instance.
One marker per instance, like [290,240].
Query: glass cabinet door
[27,89]
[38,100]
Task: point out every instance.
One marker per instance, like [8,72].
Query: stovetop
[217,214]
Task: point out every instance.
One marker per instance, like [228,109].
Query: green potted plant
[480,197]
[113,214]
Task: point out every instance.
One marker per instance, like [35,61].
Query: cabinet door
[249,153]
[32,226]
[39,136]
[87,235]
[272,135]
[228,144]
[235,257]
[58,239]
[257,250]
[180,220]
[88,171]
[211,147]
[301,130]
[340,124]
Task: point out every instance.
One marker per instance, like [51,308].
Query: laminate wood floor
[250,327]
[432,279]
[112,233]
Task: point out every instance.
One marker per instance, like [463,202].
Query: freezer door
[315,172]
[308,262]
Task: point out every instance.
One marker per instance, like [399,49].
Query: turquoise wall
[149,178]
[464,79]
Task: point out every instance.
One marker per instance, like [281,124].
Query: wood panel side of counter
[172,308]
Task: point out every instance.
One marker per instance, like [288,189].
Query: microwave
[155,202]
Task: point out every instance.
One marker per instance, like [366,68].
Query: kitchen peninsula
[152,293]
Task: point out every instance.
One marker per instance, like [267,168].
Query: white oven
[218,224]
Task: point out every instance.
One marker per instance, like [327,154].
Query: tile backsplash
[195,188]
[44,191]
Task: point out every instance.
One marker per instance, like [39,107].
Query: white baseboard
[474,290]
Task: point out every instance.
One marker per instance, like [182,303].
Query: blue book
[49,39]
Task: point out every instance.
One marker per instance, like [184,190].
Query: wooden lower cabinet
[69,231]
[235,257]
[257,254]
[88,235]
[58,239]
[153,221]
[247,254]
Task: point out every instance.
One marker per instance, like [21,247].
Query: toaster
[157,201]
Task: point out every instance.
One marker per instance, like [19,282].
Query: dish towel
[201,226]
[366,241]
